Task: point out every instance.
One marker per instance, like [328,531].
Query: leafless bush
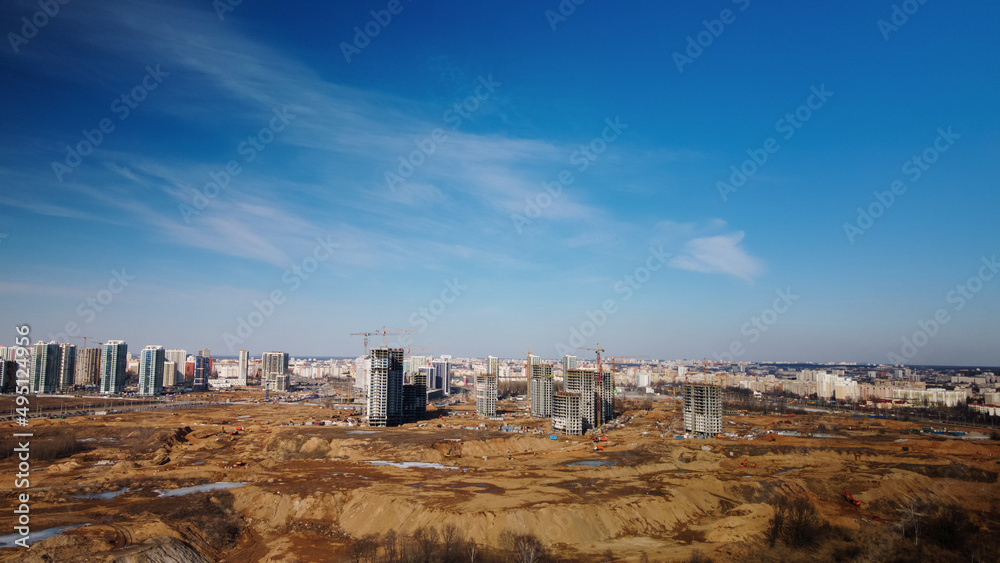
[522,548]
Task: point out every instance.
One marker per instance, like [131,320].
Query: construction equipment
[850,498]
[387,330]
[748,463]
[408,348]
[366,335]
[84,339]
[600,378]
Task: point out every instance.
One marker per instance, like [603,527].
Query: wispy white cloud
[721,254]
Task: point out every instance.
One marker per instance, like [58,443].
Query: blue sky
[454,251]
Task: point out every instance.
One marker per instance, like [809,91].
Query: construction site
[295,482]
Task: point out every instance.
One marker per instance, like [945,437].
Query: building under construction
[415,398]
[584,383]
[540,388]
[702,409]
[567,413]
[487,389]
[385,392]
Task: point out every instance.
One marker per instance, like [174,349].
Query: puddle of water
[9,539]
[592,463]
[197,489]
[104,496]
[412,464]
[486,487]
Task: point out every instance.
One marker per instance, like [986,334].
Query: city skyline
[690,183]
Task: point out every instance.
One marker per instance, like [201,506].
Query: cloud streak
[721,254]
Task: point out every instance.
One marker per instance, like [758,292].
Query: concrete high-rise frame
[567,416]
[88,363]
[273,364]
[243,369]
[584,382]
[702,409]
[385,392]
[67,366]
[607,399]
[540,388]
[487,389]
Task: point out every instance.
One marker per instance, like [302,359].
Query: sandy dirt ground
[308,489]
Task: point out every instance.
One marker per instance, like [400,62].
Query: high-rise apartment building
[606,408]
[44,373]
[273,364]
[179,358]
[114,355]
[414,363]
[67,366]
[567,413]
[151,366]
[8,374]
[88,365]
[168,368]
[385,392]
[202,373]
[415,397]
[568,363]
[244,368]
[584,383]
[540,388]
[442,374]
[487,388]
[533,360]
[703,409]
[493,365]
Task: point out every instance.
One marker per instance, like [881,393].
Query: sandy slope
[311,488]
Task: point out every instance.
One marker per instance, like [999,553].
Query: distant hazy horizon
[738,180]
